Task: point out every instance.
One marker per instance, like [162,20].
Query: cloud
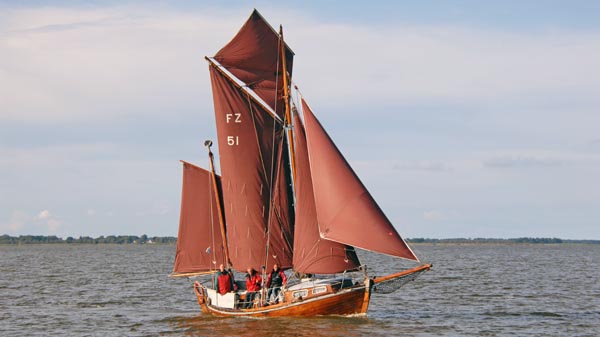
[445,64]
[54,155]
[422,166]
[528,158]
[594,145]
[158,207]
[22,223]
[16,223]
[45,214]
[433,216]
[48,222]
[54,226]
[70,65]
[85,64]
[522,161]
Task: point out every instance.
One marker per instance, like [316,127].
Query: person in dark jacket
[224,281]
[253,284]
[275,281]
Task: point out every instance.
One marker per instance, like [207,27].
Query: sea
[472,290]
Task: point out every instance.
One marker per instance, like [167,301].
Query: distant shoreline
[170,240]
[110,239]
[524,240]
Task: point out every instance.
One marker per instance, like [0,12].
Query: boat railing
[250,303]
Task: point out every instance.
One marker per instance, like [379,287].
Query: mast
[208,144]
[286,99]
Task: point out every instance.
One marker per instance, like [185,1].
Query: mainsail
[250,140]
[346,211]
[199,242]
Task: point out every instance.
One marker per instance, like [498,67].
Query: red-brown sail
[346,211]
[312,254]
[315,232]
[199,242]
[281,225]
[253,57]
[249,141]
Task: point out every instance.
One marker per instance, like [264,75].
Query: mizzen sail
[346,211]
[199,241]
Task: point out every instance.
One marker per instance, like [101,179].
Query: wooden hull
[350,301]
[315,300]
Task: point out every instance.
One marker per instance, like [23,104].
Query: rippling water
[473,290]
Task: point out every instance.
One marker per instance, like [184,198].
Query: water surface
[473,290]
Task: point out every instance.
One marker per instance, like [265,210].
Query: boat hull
[350,301]
[315,300]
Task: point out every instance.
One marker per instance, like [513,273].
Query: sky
[462,118]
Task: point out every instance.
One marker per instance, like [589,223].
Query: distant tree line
[492,240]
[110,239]
[145,239]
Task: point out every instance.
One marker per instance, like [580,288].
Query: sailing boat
[285,196]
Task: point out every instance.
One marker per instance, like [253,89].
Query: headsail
[346,211]
[312,254]
[249,146]
[253,57]
[199,242]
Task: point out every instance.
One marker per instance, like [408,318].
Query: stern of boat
[203,299]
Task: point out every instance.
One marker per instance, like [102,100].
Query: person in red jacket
[224,281]
[253,282]
[275,281]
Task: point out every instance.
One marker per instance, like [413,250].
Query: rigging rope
[391,285]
